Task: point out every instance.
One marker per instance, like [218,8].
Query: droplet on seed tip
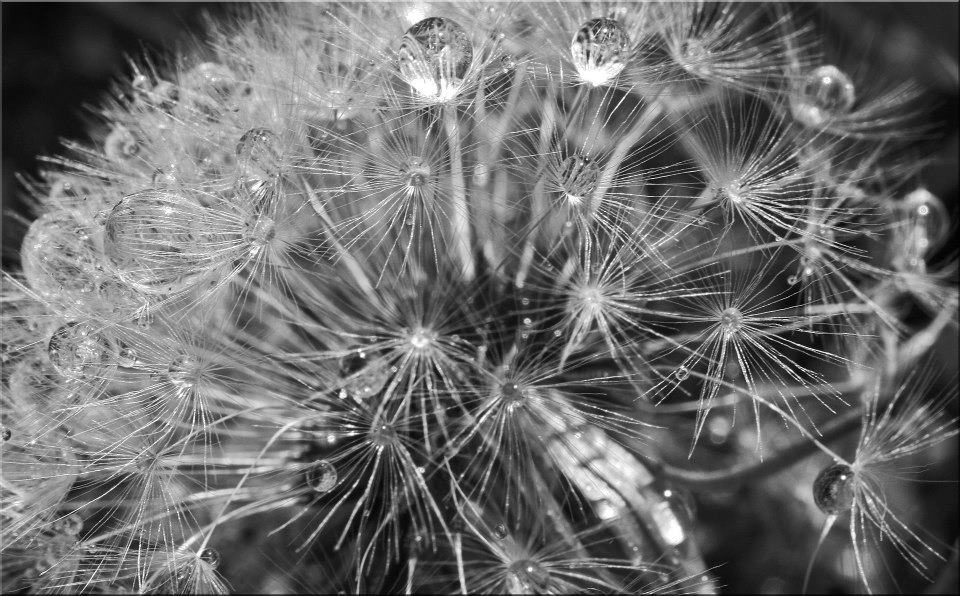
[599,50]
[824,94]
[434,57]
[322,476]
[77,350]
[833,489]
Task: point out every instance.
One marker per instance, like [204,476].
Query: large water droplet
[434,58]
[824,94]
[77,350]
[599,50]
[527,576]
[5,433]
[578,178]
[322,476]
[258,155]
[157,241]
[833,489]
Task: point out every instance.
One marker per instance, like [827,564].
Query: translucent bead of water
[527,576]
[434,58]
[78,350]
[599,50]
[322,476]
[824,94]
[59,256]
[578,177]
[833,489]
[258,155]
[210,557]
[155,240]
[120,144]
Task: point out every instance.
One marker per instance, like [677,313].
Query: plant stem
[697,480]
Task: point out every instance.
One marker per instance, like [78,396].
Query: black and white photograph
[480,297]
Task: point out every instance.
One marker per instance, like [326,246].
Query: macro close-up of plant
[473,297]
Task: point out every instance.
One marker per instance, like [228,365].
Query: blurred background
[59,61]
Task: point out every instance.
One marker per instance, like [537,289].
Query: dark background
[60,59]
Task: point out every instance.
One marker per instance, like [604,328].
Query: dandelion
[435,297]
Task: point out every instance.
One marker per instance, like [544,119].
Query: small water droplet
[5,433]
[527,576]
[322,476]
[500,531]
[793,280]
[211,557]
[120,144]
[681,373]
[77,350]
[128,357]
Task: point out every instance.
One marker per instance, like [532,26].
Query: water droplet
[577,176]
[525,301]
[5,433]
[211,557]
[793,280]
[183,371]
[260,231]
[59,257]
[120,144]
[500,531]
[557,332]
[833,489]
[511,392]
[72,524]
[599,50]
[158,241]
[925,220]
[527,322]
[681,373]
[363,377]
[258,155]
[414,172]
[824,94]
[77,350]
[128,357]
[322,476]
[434,58]
[731,320]
[527,576]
